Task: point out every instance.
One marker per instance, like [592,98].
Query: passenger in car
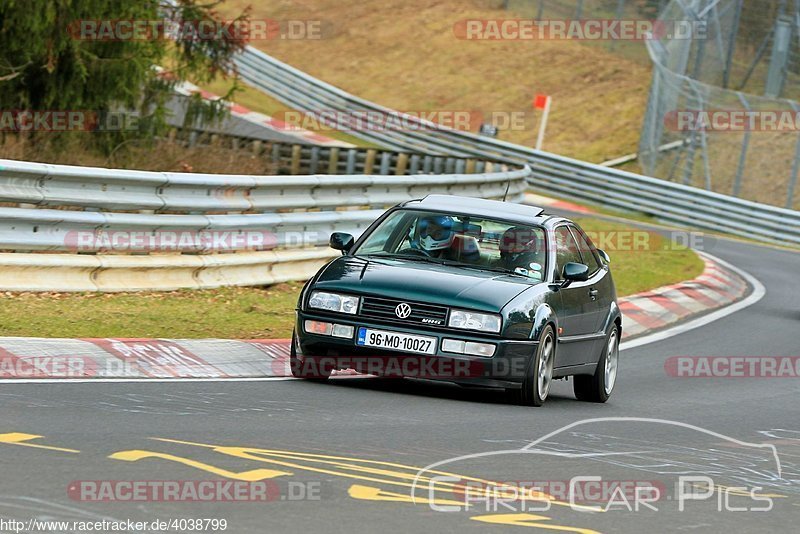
[520,252]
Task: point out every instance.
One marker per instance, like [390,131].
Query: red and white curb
[38,358]
[264,121]
[44,359]
[652,310]
[543,201]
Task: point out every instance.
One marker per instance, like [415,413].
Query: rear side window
[587,251]
[567,250]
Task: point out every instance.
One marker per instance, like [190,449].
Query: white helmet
[435,233]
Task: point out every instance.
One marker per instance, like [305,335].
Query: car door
[600,293]
[575,316]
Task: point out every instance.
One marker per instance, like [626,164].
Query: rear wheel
[303,368]
[539,372]
[598,387]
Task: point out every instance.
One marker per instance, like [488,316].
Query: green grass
[654,262]
[265,312]
[238,313]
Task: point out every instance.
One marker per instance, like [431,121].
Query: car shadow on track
[435,389]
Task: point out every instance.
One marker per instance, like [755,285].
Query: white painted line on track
[758,293]
[142,380]
[146,380]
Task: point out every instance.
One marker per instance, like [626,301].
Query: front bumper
[505,369]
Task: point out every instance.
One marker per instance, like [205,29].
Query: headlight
[333,302]
[467,320]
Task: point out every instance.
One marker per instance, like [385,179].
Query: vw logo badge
[403,310]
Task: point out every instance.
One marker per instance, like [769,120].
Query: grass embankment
[159,156]
[245,313]
[406,55]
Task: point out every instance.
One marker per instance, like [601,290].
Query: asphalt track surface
[341,456]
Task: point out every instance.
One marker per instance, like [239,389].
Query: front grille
[420,313]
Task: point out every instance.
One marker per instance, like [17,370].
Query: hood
[421,281]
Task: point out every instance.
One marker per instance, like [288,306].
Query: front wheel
[598,387]
[307,369]
[539,372]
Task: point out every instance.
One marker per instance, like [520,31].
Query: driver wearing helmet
[519,252]
[435,235]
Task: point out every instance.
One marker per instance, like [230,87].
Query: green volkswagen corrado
[476,292]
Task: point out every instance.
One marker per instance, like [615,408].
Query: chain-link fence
[725,97]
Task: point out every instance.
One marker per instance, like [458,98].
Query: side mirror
[575,272]
[342,241]
[604,255]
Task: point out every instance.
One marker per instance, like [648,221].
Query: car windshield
[460,240]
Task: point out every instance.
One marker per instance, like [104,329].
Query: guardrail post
[333,161]
[314,162]
[386,159]
[402,163]
[295,168]
[276,154]
[427,164]
[369,162]
[351,161]
[414,167]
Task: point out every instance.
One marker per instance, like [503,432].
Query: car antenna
[508,186]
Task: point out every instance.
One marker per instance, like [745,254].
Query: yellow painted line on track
[530,521]
[350,468]
[371,493]
[21,439]
[247,476]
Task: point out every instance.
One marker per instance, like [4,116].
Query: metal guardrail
[45,185]
[668,201]
[102,234]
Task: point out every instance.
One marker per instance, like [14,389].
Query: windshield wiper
[482,267]
[449,263]
[410,257]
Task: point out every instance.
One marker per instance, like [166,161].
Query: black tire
[600,386]
[534,391]
[300,368]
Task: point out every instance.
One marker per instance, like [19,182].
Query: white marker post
[542,102]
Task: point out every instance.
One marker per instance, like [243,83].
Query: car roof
[491,209]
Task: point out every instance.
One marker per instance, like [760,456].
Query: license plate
[368,337]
